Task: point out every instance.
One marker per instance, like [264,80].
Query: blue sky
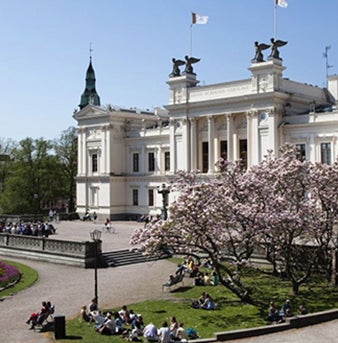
[45,51]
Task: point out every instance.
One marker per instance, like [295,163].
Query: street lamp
[95,235]
[164,191]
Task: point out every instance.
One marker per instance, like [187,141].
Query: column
[211,143]
[249,137]
[172,146]
[108,149]
[230,139]
[186,143]
[103,166]
[193,150]
[273,130]
[79,151]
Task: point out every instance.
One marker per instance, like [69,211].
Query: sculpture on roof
[275,44]
[258,52]
[188,64]
[176,67]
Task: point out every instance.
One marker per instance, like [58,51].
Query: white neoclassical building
[124,155]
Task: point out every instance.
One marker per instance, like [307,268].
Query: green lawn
[231,315]
[28,277]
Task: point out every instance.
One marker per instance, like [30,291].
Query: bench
[174,281]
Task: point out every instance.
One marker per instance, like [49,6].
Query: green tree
[66,151]
[33,181]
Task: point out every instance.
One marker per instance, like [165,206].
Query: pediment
[89,111]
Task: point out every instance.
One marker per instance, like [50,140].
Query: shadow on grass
[181,289]
[72,338]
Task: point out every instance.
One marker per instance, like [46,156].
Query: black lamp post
[164,191]
[95,235]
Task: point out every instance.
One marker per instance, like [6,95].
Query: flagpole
[190,39]
[275,21]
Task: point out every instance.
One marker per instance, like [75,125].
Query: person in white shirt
[164,333]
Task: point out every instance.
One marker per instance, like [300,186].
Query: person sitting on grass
[118,322]
[150,333]
[287,308]
[273,314]
[164,333]
[137,325]
[214,279]
[98,319]
[108,326]
[181,334]
[85,316]
[208,304]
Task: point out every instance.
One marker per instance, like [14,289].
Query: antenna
[326,56]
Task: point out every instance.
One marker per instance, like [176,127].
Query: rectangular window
[151,161]
[325,153]
[205,157]
[167,161]
[94,163]
[243,152]
[301,151]
[135,197]
[224,149]
[136,162]
[150,197]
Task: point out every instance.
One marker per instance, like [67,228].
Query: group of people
[38,318]
[168,332]
[205,302]
[276,315]
[38,229]
[130,325]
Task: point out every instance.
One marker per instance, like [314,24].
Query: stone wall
[80,254]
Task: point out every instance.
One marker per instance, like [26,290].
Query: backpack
[192,334]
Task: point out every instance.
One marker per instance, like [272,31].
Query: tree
[197,227]
[34,178]
[290,218]
[66,150]
[6,154]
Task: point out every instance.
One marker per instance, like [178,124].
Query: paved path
[69,288]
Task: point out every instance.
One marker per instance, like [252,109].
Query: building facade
[125,155]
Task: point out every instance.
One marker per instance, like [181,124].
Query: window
[135,197]
[325,153]
[136,162]
[94,163]
[205,157]
[224,149]
[301,151]
[151,161]
[243,152]
[150,197]
[167,161]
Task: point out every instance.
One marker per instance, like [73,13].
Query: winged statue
[275,44]
[188,64]
[258,52]
[176,67]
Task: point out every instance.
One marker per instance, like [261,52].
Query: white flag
[282,3]
[199,19]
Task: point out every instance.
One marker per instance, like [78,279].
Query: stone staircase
[124,257]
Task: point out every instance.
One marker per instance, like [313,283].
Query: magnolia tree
[291,220]
[283,205]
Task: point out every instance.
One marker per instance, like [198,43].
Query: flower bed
[8,275]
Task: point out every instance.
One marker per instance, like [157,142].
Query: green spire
[89,96]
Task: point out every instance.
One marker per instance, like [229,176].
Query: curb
[291,323]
